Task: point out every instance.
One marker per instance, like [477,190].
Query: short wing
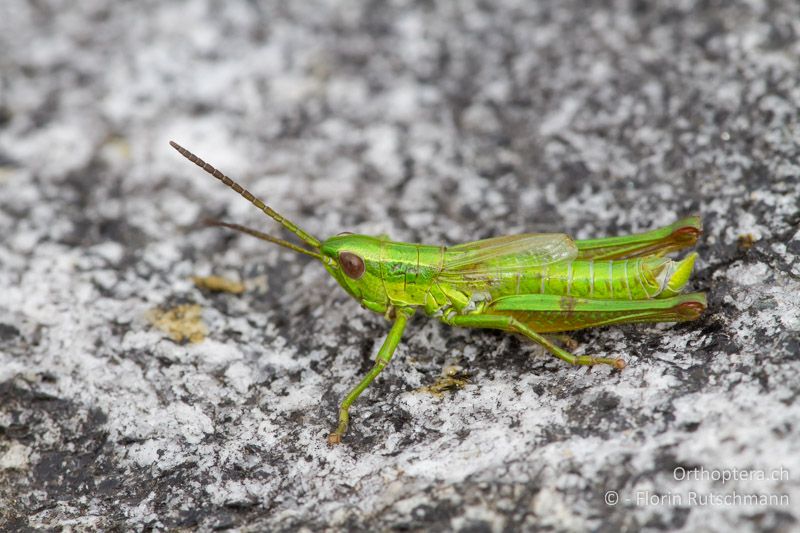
[509,253]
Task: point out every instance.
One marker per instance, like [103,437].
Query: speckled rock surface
[428,121]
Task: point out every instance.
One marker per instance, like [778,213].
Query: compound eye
[352,265]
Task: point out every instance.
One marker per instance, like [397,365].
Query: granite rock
[434,122]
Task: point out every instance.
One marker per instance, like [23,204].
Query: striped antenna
[263,236]
[286,223]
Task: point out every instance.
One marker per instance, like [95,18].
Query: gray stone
[431,122]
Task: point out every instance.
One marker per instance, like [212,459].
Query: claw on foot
[334,438]
[619,363]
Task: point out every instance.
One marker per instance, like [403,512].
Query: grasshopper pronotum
[531,284]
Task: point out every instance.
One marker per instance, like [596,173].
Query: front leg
[383,358]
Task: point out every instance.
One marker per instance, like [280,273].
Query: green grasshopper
[531,284]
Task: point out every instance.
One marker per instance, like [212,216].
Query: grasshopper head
[354,261]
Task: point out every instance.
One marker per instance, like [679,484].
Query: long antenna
[288,224]
[263,236]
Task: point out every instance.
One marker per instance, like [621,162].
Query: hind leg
[672,238]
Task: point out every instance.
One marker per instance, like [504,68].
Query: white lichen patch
[14,457]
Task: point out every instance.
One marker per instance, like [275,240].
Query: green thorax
[396,274]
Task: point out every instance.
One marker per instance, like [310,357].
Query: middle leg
[509,323]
